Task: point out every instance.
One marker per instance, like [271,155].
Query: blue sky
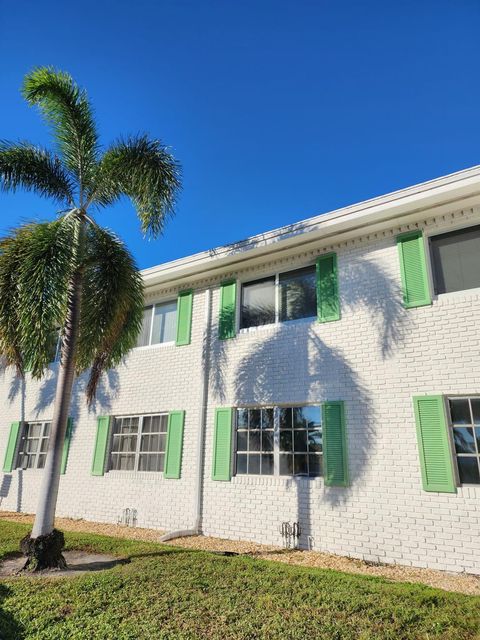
[276,110]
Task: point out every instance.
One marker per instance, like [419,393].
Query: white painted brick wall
[154,379]
[375,359]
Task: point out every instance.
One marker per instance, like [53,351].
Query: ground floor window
[281,441]
[32,450]
[465,428]
[139,442]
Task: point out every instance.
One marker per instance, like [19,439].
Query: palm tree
[71,275]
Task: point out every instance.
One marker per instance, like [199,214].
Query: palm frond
[35,267]
[34,169]
[67,109]
[112,305]
[10,335]
[143,170]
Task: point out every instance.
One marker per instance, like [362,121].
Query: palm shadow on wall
[296,363]
[108,389]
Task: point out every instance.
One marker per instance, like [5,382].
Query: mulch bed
[459,582]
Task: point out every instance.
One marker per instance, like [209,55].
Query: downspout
[205,373]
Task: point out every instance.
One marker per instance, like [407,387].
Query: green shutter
[173,455]
[228,301]
[9,460]
[66,445]
[433,444]
[101,444]
[184,317]
[222,445]
[334,445]
[328,303]
[413,270]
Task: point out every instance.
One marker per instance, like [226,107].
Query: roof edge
[448,189]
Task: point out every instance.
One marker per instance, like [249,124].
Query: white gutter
[457,190]
[200,453]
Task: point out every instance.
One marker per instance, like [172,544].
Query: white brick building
[333,357]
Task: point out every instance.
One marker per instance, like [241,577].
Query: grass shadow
[10,628]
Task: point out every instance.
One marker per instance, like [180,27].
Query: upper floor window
[286,296]
[298,294]
[258,303]
[138,443]
[159,324]
[281,441]
[32,450]
[456,260]
[465,425]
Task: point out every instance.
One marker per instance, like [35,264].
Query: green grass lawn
[168,593]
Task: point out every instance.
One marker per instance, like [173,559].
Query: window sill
[465,294]
[158,345]
[287,482]
[274,325]
[139,475]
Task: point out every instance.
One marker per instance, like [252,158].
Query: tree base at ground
[43,552]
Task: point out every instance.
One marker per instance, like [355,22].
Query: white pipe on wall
[200,453]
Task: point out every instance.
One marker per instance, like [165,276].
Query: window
[456,260]
[159,324]
[258,303]
[282,441]
[465,425]
[300,441]
[296,298]
[55,346]
[298,294]
[138,443]
[33,445]
[255,441]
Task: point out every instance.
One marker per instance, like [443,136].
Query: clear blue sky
[277,110]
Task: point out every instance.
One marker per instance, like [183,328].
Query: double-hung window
[159,324]
[298,294]
[300,441]
[255,430]
[139,442]
[281,441]
[258,303]
[33,445]
[465,428]
[286,296]
[456,260]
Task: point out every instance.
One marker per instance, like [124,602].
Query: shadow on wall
[17,386]
[108,389]
[292,363]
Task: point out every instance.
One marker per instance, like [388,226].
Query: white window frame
[451,438]
[153,305]
[271,274]
[275,448]
[276,441]
[25,438]
[429,233]
[137,451]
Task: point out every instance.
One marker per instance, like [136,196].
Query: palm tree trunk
[44,544]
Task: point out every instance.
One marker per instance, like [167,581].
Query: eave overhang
[447,194]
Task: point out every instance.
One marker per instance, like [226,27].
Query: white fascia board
[435,197]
